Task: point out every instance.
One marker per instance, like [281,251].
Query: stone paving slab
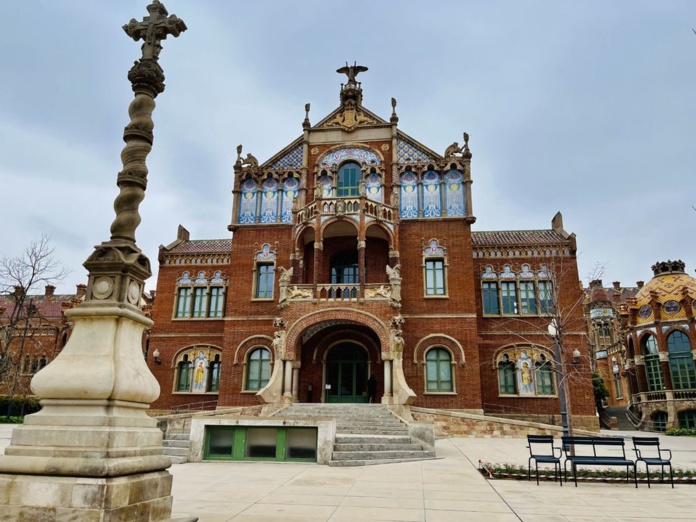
[447,490]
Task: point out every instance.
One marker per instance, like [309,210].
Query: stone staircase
[366,434]
[176,447]
[622,420]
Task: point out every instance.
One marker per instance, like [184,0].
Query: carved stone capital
[146,76]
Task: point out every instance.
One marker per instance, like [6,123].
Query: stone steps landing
[366,434]
[176,447]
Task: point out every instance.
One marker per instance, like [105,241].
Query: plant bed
[516,472]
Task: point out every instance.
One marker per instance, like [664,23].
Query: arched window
[659,420]
[258,368]
[687,419]
[506,376]
[651,358]
[214,375]
[438,370]
[544,376]
[183,375]
[349,177]
[681,362]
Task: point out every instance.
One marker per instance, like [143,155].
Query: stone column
[287,380]
[295,383]
[92,452]
[387,397]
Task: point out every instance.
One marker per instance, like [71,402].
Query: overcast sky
[584,107]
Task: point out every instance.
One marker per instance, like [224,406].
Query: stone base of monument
[144,496]
[86,460]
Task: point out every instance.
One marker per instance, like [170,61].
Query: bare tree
[560,300]
[21,319]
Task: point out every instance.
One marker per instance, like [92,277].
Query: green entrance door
[346,373]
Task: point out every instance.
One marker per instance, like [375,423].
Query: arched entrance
[346,373]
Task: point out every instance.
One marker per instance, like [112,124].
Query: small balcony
[346,207]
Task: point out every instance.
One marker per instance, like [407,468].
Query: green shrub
[4,419]
[683,432]
[19,406]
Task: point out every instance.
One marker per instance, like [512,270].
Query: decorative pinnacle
[147,75]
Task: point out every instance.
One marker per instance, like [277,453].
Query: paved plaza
[443,490]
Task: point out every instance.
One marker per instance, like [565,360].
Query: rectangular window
[527,298]
[490,299]
[198,302]
[506,379]
[618,387]
[216,302]
[653,373]
[509,297]
[434,277]
[264,280]
[545,297]
[183,302]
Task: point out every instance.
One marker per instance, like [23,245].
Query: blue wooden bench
[648,451]
[595,451]
[541,449]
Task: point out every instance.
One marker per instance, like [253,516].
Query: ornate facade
[353,255]
[660,349]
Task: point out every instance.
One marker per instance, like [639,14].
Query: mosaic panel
[200,373]
[360,155]
[291,160]
[269,201]
[407,153]
[373,186]
[454,193]
[434,249]
[432,202]
[290,188]
[266,253]
[324,183]
[409,195]
[247,202]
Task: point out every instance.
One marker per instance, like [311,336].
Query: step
[379,447]
[372,439]
[370,431]
[176,452]
[178,436]
[380,455]
[176,443]
[177,459]
[349,463]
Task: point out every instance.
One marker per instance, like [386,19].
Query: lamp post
[554,332]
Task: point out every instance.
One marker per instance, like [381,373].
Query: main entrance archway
[346,373]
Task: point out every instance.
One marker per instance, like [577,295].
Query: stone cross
[154,28]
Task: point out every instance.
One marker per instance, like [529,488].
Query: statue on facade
[283,282]
[279,339]
[394,275]
[352,71]
[397,343]
[250,161]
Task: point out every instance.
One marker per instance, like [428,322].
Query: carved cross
[154,28]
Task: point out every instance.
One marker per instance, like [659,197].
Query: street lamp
[560,384]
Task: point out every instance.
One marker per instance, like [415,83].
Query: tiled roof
[202,246]
[517,237]
[47,306]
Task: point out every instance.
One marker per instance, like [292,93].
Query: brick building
[352,254]
[603,308]
[33,331]
[660,332]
